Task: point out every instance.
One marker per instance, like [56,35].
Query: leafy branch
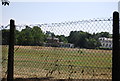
[5,2]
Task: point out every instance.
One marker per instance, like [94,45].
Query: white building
[105,42]
[67,45]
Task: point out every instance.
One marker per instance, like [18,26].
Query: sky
[64,0]
[47,12]
[44,11]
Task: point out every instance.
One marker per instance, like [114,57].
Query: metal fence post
[11,52]
[116,54]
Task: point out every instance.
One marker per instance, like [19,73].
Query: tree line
[35,36]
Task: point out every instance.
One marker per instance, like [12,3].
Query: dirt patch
[50,79]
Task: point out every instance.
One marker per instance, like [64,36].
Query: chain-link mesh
[4,51]
[66,50]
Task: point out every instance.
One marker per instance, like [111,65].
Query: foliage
[84,39]
[5,36]
[5,2]
[25,37]
[38,35]
[35,36]
[62,38]
[31,36]
[102,34]
[92,43]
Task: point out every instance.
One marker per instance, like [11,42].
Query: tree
[25,37]
[5,2]
[78,38]
[62,38]
[38,35]
[17,33]
[73,38]
[5,36]
[83,39]
[30,36]
[92,43]
[102,34]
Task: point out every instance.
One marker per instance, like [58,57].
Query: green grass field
[61,63]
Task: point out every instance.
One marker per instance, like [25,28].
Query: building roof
[54,38]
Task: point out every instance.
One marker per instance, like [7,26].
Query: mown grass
[64,59]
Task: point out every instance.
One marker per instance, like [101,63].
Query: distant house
[105,42]
[67,45]
[52,40]
[55,42]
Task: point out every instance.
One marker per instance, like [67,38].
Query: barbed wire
[61,23]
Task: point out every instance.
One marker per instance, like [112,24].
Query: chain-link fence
[4,52]
[65,50]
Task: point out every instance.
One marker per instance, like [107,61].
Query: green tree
[92,43]
[62,38]
[78,38]
[5,36]
[38,35]
[83,39]
[5,2]
[102,34]
[25,37]
[16,36]
[74,38]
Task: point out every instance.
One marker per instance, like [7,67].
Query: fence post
[116,54]
[11,52]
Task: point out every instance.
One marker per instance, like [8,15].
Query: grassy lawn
[30,60]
